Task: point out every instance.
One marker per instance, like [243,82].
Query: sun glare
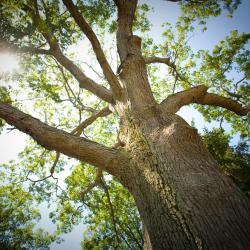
[8,63]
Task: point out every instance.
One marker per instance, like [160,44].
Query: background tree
[17,220]
[233,160]
[156,155]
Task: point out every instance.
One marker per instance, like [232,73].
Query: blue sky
[218,28]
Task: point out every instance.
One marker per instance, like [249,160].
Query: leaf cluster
[18,217]
[233,160]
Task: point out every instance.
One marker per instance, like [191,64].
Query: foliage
[233,160]
[108,211]
[200,10]
[18,218]
[19,207]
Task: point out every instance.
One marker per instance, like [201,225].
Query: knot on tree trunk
[134,45]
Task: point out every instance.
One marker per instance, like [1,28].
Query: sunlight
[8,63]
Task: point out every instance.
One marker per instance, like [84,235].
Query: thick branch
[174,102]
[199,95]
[126,15]
[155,59]
[87,30]
[55,51]
[84,81]
[227,103]
[61,141]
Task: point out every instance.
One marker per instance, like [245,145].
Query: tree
[17,221]
[184,201]
[233,161]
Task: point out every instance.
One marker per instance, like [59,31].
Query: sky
[13,142]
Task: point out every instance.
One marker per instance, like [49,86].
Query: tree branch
[79,130]
[30,50]
[174,102]
[84,81]
[52,169]
[220,101]
[126,15]
[70,92]
[102,113]
[168,62]
[196,94]
[199,95]
[87,30]
[61,141]
[112,212]
[15,49]
[97,182]
[155,59]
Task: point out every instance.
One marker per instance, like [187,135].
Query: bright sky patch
[8,63]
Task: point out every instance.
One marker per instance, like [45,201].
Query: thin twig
[112,213]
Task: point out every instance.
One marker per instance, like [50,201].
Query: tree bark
[184,200]
[69,144]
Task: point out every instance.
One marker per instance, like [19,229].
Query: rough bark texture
[184,200]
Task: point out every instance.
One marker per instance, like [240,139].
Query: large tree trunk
[184,200]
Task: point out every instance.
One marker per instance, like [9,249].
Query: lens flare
[8,63]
